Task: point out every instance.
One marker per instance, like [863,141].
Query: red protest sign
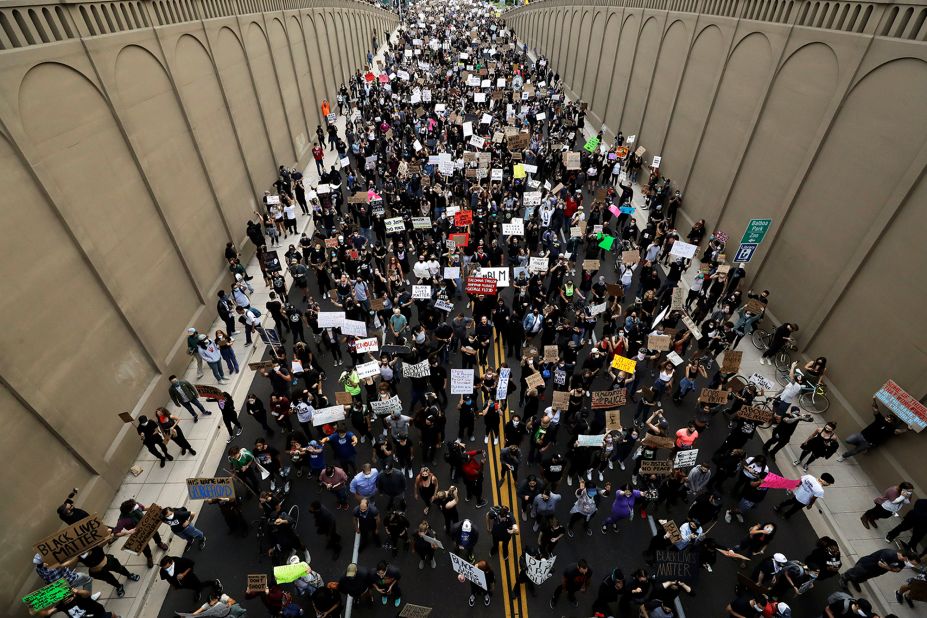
[460,240]
[481,285]
[463,218]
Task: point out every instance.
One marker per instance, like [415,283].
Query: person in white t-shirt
[804,495]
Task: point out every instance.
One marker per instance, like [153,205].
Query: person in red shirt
[686,437]
[318,154]
[472,470]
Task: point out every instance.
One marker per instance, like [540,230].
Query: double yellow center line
[506,495]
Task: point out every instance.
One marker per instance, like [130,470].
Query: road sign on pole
[756,231]
[745,252]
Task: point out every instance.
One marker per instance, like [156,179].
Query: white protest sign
[502,388]
[532,198]
[541,116]
[331,319]
[394,225]
[630,139]
[461,381]
[499,273]
[273,199]
[382,408]
[479,97]
[531,169]
[683,249]
[443,305]
[537,265]
[674,358]
[685,459]
[323,189]
[367,345]
[452,272]
[539,569]
[344,162]
[656,161]
[515,228]
[418,370]
[470,572]
[331,414]
[486,119]
[762,381]
[367,370]
[421,291]
[586,440]
[355,328]
[476,141]
[421,223]
[468,129]
[496,174]
[417,145]
[693,328]
[597,309]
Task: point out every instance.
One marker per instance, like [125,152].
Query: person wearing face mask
[889,503]
[151,437]
[822,442]
[178,572]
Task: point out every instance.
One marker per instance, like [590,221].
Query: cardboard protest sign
[535,380]
[659,343]
[713,396]
[571,160]
[49,595]
[609,399]
[658,441]
[461,381]
[210,487]
[670,527]
[561,400]
[331,414]
[144,531]
[631,256]
[754,306]
[469,571]
[539,570]
[126,417]
[256,583]
[693,328]
[591,265]
[658,467]
[731,362]
[261,365]
[685,459]
[677,299]
[754,413]
[409,610]
[72,540]
[418,370]
[612,420]
[551,353]
[343,398]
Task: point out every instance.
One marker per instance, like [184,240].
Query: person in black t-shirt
[78,604]
[151,437]
[178,572]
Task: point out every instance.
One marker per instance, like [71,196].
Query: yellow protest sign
[518,170]
[623,364]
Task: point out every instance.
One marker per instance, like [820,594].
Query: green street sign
[756,231]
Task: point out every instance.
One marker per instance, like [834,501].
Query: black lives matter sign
[73,541]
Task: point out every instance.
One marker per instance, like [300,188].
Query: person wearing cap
[805,495]
[49,574]
[767,571]
[464,537]
[209,352]
[193,338]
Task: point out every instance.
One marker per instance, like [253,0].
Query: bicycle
[813,397]
[761,339]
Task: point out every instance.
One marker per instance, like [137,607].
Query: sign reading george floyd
[73,540]
[206,488]
[481,285]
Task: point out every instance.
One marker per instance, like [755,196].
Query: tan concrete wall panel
[739,95]
[282,58]
[622,73]
[584,46]
[593,58]
[304,79]
[202,98]
[80,150]
[648,46]
[606,63]
[268,94]
[236,81]
[159,134]
[663,90]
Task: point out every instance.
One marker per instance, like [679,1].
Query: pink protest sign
[774,481]
[614,210]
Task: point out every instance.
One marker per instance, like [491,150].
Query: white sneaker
[410,472]
[588,475]
[621,465]
[569,480]
[486,440]
[611,466]
[495,441]
[601,478]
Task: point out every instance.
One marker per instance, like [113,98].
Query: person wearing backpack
[251,318]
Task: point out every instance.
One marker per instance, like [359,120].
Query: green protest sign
[49,595]
[607,242]
[591,145]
